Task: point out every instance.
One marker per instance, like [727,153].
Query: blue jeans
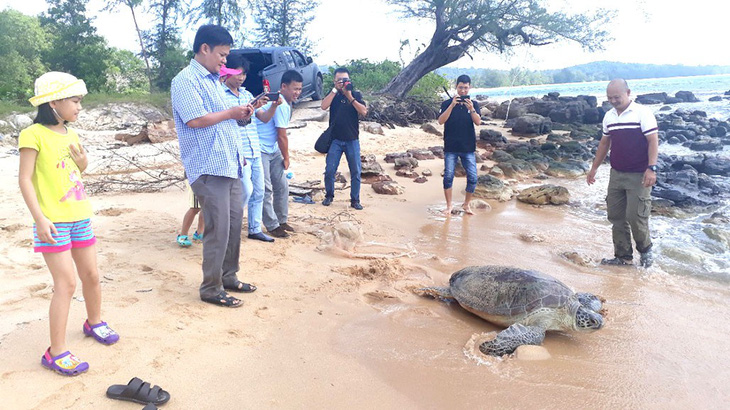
[246,182]
[256,194]
[351,149]
[469,161]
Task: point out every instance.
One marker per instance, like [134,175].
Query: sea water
[687,246]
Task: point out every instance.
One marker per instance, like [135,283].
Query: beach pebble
[529,352]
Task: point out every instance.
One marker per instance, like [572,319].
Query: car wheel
[318,89]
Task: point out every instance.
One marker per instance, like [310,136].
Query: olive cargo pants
[628,204]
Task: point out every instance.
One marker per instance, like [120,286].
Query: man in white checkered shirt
[212,154]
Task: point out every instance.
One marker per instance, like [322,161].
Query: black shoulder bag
[325,140]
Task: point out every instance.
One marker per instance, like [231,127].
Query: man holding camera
[345,105]
[459,116]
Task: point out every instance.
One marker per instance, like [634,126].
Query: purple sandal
[101,332]
[65,363]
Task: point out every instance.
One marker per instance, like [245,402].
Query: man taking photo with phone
[274,144]
[459,116]
[345,105]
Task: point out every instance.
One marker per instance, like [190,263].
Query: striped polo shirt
[628,131]
[249,133]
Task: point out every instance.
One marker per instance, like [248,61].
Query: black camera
[463,98]
[348,84]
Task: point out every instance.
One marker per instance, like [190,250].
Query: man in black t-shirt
[459,116]
[346,105]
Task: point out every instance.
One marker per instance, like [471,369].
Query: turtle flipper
[443,294]
[513,337]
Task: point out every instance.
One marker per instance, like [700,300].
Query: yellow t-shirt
[56,178]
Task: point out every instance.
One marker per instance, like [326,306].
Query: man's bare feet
[467,209]
[447,211]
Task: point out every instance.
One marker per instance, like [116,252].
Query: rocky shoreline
[556,136]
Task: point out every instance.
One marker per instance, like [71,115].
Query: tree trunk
[436,55]
[141,45]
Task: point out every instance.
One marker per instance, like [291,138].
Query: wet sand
[326,330]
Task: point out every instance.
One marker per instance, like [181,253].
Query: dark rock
[666,108]
[501,156]
[652,98]
[542,107]
[706,144]
[492,137]
[420,180]
[716,166]
[571,112]
[532,124]
[406,173]
[370,166]
[438,151]
[406,162]
[568,169]
[421,154]
[545,194]
[672,100]
[388,188]
[489,187]
[515,109]
[686,96]
[390,158]
[518,168]
[431,129]
[715,98]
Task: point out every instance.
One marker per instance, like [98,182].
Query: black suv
[271,62]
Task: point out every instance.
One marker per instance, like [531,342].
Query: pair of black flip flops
[139,391]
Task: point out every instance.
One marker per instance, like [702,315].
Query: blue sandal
[183,241]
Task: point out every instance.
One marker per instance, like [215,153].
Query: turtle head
[590,301]
[587,320]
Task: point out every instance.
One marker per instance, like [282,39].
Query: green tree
[112,5]
[75,47]
[127,73]
[163,42]
[283,23]
[464,25]
[22,40]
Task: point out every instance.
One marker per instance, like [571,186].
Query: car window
[299,58]
[288,59]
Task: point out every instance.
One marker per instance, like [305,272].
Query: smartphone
[463,97]
[270,96]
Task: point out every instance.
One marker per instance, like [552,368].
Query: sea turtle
[527,302]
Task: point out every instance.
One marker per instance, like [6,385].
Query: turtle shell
[504,295]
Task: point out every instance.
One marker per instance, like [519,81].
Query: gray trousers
[221,203]
[628,204]
[276,191]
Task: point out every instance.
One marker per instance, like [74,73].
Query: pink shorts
[70,235]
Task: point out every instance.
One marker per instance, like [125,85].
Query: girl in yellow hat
[51,162]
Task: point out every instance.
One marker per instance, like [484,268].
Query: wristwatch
[334,90]
[652,167]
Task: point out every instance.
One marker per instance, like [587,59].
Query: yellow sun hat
[55,85]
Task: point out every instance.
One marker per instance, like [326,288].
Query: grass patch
[6,107]
[160,100]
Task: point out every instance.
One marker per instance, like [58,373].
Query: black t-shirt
[459,134]
[347,127]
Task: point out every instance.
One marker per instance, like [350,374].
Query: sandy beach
[335,323]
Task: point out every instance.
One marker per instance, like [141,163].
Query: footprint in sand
[13,227]
[113,211]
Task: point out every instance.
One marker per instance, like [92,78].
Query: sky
[643,31]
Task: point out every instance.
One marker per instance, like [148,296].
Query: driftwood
[152,171]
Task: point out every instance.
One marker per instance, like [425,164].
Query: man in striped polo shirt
[630,131]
